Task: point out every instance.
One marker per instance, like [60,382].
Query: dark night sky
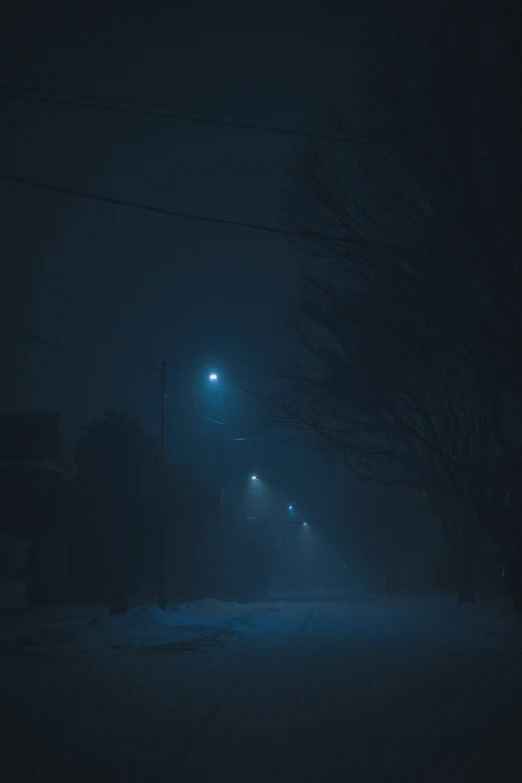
[119,288]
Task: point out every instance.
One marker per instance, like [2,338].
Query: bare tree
[409,322]
[364,390]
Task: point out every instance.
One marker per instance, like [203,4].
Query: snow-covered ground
[365,689]
[91,628]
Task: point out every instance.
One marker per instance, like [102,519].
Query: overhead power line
[172,213]
[170,107]
[71,357]
[55,348]
[183,118]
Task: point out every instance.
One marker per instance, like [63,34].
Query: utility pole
[165,516]
[221,471]
[222,466]
[222,480]
[163,381]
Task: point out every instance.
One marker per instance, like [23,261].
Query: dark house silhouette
[35,464]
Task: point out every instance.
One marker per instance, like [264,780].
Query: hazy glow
[305,523]
[290,508]
[254,478]
[213,376]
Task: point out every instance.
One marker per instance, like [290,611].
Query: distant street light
[305,524]
[290,508]
[254,478]
[212,376]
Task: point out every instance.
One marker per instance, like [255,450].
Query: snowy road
[363,690]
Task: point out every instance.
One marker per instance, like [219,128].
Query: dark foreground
[361,690]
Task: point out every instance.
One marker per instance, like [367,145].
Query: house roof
[33,440]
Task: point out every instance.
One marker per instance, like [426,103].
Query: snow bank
[202,621]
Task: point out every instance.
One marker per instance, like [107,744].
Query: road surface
[361,690]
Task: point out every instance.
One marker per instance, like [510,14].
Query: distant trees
[191,503]
[116,502]
[391,538]
[118,505]
[408,324]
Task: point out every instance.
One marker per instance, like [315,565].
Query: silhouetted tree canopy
[408,321]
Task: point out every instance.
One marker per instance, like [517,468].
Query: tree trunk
[119,590]
[465,576]
[515,585]
[392,585]
[38,572]
[119,600]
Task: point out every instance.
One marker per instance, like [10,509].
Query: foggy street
[261,399]
[355,690]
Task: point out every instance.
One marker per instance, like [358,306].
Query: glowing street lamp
[290,508]
[254,478]
[212,377]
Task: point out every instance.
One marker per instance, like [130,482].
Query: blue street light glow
[290,508]
[305,524]
[212,376]
[254,478]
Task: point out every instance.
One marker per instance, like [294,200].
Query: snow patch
[181,627]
